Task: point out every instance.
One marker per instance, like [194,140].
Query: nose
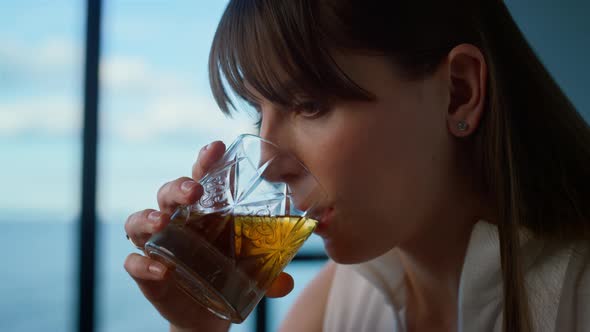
[278,163]
[300,186]
[282,168]
[272,124]
[275,129]
[281,162]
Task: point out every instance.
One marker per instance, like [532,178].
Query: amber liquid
[237,256]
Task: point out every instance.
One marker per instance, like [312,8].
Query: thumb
[281,286]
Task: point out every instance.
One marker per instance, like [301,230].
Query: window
[41,61]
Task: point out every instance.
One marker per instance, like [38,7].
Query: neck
[433,261]
[433,276]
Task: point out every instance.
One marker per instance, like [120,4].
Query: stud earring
[462,125]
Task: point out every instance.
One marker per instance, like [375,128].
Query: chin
[354,252]
[345,254]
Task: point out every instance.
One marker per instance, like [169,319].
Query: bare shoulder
[307,314]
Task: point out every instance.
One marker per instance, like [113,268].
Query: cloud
[171,105]
[181,116]
[36,87]
[169,101]
[132,74]
[54,116]
[19,61]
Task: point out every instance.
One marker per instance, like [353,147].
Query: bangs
[276,49]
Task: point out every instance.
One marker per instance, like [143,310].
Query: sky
[156,109]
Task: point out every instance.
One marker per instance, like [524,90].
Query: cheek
[356,151]
[377,166]
[341,157]
[350,159]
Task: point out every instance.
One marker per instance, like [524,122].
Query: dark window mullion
[310,257]
[87,226]
[261,314]
[262,307]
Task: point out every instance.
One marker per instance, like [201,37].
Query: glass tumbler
[259,206]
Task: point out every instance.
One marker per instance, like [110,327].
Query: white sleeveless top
[370,296]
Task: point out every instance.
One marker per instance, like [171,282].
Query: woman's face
[384,163]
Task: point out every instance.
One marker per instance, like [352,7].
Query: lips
[324,221]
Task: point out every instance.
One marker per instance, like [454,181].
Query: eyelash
[258,124]
[318,109]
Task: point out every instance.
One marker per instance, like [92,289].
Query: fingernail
[155,216]
[157,269]
[186,186]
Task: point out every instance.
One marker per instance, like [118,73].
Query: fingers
[207,157]
[184,190]
[181,191]
[144,268]
[152,277]
[141,225]
[282,286]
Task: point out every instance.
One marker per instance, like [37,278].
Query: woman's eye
[309,109]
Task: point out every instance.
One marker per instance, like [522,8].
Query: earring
[462,125]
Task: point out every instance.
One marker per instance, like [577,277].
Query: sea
[38,279]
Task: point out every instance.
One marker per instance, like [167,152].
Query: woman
[456,168]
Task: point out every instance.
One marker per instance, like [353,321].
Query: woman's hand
[153,278]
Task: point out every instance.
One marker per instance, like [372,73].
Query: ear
[467,89]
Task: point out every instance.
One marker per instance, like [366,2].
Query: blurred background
[155,112]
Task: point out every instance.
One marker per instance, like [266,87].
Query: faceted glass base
[194,286]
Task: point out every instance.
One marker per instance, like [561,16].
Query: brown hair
[532,145]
